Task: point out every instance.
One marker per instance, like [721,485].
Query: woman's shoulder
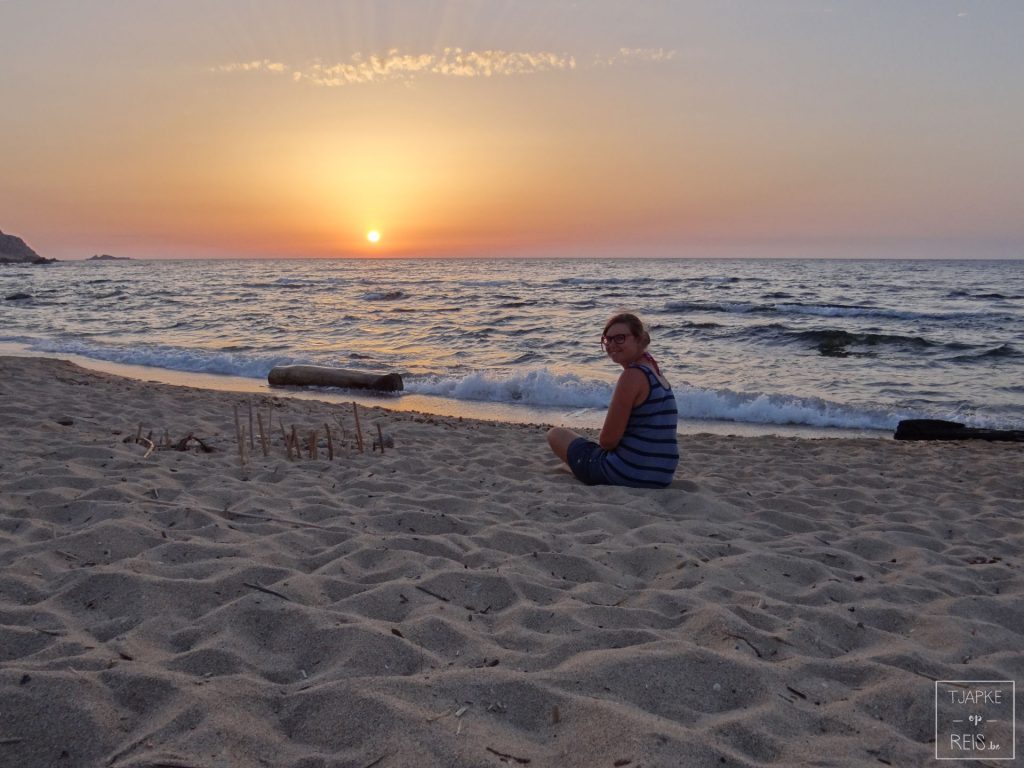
[633,374]
[649,373]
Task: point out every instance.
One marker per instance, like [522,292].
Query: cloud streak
[450,62]
[264,65]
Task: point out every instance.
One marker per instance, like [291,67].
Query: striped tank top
[647,455]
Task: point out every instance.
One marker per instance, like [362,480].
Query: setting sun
[373,236]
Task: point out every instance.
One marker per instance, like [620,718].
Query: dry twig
[252,444]
[241,447]
[432,594]
[359,431]
[238,425]
[261,588]
[263,435]
[520,760]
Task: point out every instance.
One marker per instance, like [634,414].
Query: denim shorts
[585,461]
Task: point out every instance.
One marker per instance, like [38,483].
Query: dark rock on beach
[937,429]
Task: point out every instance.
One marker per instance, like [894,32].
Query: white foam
[725,405]
[535,387]
[172,358]
[541,387]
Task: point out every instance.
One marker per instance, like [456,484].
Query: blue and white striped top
[647,455]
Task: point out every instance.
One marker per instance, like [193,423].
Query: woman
[637,446]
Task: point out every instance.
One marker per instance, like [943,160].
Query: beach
[455,598]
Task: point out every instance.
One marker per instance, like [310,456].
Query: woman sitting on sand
[637,446]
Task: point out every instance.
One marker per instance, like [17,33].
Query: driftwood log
[321,376]
[937,429]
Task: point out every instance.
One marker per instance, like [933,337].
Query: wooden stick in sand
[312,444]
[148,442]
[264,443]
[359,430]
[330,442]
[380,436]
[238,424]
[294,437]
[252,436]
[241,446]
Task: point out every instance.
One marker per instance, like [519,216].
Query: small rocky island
[13,250]
[108,257]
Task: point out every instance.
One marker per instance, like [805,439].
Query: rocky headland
[13,250]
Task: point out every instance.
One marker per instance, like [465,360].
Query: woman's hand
[631,390]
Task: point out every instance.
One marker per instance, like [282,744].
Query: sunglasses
[618,339]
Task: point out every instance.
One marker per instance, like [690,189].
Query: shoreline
[460,597]
[585,419]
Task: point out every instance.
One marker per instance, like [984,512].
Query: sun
[373,236]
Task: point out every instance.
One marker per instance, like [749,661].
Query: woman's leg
[560,439]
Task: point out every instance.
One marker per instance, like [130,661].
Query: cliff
[14,251]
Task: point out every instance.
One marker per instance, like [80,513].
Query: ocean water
[827,344]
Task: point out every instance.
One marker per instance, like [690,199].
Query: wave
[819,310]
[843,310]
[962,294]
[593,280]
[726,405]
[538,387]
[226,362]
[384,295]
[1001,351]
[701,306]
[835,342]
[485,283]
[547,389]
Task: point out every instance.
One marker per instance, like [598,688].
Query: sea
[750,346]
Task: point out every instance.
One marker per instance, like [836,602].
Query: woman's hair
[635,325]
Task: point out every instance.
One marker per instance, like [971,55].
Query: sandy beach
[460,600]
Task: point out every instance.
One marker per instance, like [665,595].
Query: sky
[632,128]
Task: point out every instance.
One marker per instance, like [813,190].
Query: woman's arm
[632,388]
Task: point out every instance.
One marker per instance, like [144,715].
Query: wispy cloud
[264,65]
[627,55]
[451,62]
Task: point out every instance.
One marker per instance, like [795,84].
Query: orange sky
[496,128]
